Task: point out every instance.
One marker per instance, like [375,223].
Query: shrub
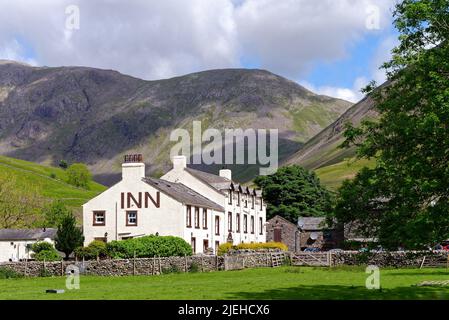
[225,247]
[78,175]
[47,255]
[149,246]
[42,246]
[194,267]
[92,251]
[8,273]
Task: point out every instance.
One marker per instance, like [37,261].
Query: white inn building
[204,209]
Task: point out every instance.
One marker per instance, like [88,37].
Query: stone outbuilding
[280,229]
[311,232]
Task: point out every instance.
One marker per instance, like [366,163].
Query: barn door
[277,235]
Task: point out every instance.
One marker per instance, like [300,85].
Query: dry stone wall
[145,266]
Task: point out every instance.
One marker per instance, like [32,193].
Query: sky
[332,47]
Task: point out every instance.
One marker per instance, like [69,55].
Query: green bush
[149,246]
[47,255]
[42,246]
[8,273]
[225,247]
[92,251]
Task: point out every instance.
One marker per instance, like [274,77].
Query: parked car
[312,250]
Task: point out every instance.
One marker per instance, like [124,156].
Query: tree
[79,175]
[53,213]
[19,207]
[292,192]
[63,164]
[404,200]
[69,236]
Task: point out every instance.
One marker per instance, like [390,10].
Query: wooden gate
[315,259]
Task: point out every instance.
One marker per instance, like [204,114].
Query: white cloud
[156,39]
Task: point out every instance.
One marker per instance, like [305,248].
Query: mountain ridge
[90,115]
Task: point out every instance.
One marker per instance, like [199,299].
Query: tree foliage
[294,191]
[404,200]
[68,236]
[19,206]
[79,175]
[53,214]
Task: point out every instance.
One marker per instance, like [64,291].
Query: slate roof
[312,223]
[183,193]
[213,180]
[219,183]
[27,234]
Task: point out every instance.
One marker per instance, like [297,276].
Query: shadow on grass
[337,292]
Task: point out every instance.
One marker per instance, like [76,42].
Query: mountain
[323,149]
[49,182]
[96,116]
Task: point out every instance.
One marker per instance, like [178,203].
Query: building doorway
[205,245]
[277,235]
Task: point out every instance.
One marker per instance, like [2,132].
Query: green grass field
[49,181]
[263,283]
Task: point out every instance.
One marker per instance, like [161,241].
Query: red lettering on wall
[137,203]
[156,203]
[130,200]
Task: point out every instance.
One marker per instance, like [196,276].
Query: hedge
[225,247]
[149,246]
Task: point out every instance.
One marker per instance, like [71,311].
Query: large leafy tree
[404,200]
[294,191]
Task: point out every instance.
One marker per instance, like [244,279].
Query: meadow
[340,283]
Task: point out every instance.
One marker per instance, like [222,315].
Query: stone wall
[394,259]
[147,266]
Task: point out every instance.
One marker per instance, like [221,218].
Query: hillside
[333,175]
[49,181]
[96,116]
[323,149]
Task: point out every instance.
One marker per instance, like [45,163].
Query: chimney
[179,162]
[133,168]
[226,173]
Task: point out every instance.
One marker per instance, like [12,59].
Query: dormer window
[230,197]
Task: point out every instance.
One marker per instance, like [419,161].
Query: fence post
[186,268]
[216,262]
[134,263]
[62,268]
[202,267]
[160,265]
[45,267]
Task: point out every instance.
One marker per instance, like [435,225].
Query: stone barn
[280,229]
[315,233]
[311,232]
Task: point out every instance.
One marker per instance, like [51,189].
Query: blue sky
[324,45]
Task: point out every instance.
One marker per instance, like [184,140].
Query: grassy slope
[263,283]
[332,176]
[28,174]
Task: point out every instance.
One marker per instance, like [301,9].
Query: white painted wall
[15,250]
